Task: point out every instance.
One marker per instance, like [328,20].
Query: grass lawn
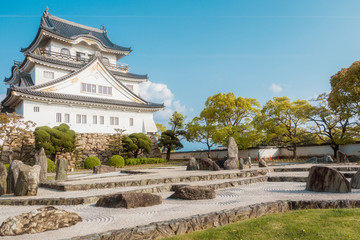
[302,224]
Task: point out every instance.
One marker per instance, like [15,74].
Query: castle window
[58,117]
[131,87]
[36,109]
[80,56]
[67,117]
[78,118]
[65,52]
[94,119]
[48,74]
[102,120]
[106,60]
[83,119]
[131,122]
[114,121]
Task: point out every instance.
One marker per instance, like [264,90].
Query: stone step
[306,169]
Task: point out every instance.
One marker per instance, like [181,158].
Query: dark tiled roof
[72,30]
[85,99]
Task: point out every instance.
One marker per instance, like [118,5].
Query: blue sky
[194,49]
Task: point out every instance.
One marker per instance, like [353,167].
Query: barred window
[94,119]
[67,117]
[102,120]
[36,109]
[131,122]
[58,117]
[48,74]
[78,118]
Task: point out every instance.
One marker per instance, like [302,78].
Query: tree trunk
[208,153]
[294,152]
[335,148]
[168,154]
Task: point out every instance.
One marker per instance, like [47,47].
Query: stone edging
[94,199]
[154,181]
[306,169]
[179,226]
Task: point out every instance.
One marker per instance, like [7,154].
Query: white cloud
[2,96]
[160,93]
[275,88]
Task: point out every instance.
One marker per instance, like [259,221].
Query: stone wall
[88,144]
[179,226]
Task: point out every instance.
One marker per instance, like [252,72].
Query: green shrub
[91,162]
[139,161]
[50,166]
[116,161]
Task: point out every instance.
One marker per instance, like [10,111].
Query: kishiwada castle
[71,75]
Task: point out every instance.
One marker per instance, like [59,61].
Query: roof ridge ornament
[46,11]
[97,54]
[103,27]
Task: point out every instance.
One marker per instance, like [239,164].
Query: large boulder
[231,163]
[3,176]
[232,149]
[328,159]
[341,157]
[247,161]
[39,220]
[244,164]
[40,159]
[129,200]
[355,180]
[61,168]
[262,163]
[103,169]
[194,193]
[192,165]
[208,164]
[327,179]
[28,181]
[220,162]
[13,175]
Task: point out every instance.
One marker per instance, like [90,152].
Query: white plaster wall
[47,116]
[39,74]
[350,149]
[308,151]
[19,109]
[56,46]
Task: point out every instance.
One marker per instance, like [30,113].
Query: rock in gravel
[13,175]
[244,164]
[129,200]
[3,176]
[40,159]
[192,165]
[39,220]
[247,161]
[231,163]
[194,193]
[355,180]
[232,149]
[262,163]
[208,164]
[61,168]
[28,181]
[103,169]
[312,160]
[327,179]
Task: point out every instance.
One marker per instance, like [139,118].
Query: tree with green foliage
[233,118]
[201,130]
[169,141]
[136,144]
[177,123]
[284,121]
[13,128]
[115,144]
[160,129]
[332,126]
[59,139]
[344,97]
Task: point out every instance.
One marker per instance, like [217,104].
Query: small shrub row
[138,161]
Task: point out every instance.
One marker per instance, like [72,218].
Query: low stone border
[93,199]
[144,182]
[306,169]
[215,219]
[298,179]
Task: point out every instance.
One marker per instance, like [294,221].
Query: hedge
[139,161]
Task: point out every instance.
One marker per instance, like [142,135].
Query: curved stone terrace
[103,223]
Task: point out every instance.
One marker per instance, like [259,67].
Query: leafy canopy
[136,143]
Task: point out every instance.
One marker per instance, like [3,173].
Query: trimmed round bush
[50,166]
[116,161]
[91,162]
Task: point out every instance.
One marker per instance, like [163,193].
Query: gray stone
[103,169]
[28,181]
[355,180]
[327,179]
[192,165]
[262,163]
[244,164]
[312,160]
[231,163]
[194,193]
[40,159]
[129,200]
[232,149]
[328,159]
[208,164]
[3,176]
[341,157]
[61,168]
[39,220]
[220,162]
[13,175]
[247,161]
